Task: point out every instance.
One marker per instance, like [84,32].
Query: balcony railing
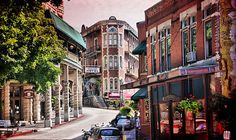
[73,56]
[93,51]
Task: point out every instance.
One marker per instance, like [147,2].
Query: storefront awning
[65,28]
[200,67]
[140,94]
[141,48]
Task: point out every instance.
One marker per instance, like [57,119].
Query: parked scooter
[86,134]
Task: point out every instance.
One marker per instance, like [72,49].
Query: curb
[35,130]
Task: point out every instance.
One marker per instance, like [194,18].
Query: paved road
[73,130]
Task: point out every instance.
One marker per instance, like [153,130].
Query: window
[208,38]
[121,63]
[106,85]
[115,62]
[153,48]
[165,49]
[188,37]
[113,36]
[120,39]
[105,39]
[111,84]
[111,62]
[105,62]
[95,42]
[116,84]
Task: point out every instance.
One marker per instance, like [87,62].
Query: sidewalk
[32,128]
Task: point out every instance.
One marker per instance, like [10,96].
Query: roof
[65,28]
[141,48]
[140,94]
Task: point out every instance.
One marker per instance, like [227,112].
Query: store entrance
[15,103]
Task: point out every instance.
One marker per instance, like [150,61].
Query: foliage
[127,111]
[224,108]
[189,104]
[29,47]
[31,3]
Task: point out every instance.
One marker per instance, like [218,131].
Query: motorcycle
[86,134]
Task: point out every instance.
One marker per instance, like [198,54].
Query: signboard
[92,70]
[28,93]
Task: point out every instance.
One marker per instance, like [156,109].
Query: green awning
[140,94]
[65,28]
[141,48]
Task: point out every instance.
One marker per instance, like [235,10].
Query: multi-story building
[108,59]
[21,103]
[182,56]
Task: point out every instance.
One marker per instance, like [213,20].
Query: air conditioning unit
[191,56]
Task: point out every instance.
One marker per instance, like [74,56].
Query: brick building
[183,60]
[108,59]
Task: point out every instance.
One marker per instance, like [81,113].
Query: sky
[88,12]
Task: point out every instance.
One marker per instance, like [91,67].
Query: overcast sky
[88,12]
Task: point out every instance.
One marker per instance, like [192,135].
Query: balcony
[92,70]
[93,51]
[131,72]
[73,57]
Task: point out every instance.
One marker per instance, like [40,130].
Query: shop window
[198,89]
[154,95]
[175,89]
[164,119]
[161,93]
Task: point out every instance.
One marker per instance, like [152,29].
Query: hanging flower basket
[190,105]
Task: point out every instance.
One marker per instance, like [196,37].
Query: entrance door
[15,103]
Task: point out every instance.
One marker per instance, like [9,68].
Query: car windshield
[110,132]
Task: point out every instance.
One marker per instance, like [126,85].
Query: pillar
[48,108]
[66,94]
[57,102]
[232,15]
[80,93]
[75,92]
[6,99]
[36,114]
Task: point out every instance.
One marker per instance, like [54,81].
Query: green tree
[29,46]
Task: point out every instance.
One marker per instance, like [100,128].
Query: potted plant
[189,105]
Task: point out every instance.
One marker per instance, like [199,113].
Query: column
[66,94]
[57,102]
[37,109]
[6,99]
[232,15]
[48,108]
[75,92]
[80,93]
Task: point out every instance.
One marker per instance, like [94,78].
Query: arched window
[112,29]
[113,36]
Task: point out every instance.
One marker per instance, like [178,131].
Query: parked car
[126,122]
[106,133]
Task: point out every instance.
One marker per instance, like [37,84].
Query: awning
[65,28]
[140,94]
[141,48]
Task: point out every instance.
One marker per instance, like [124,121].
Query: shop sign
[171,98]
[92,70]
[28,93]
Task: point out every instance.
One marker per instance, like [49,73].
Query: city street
[73,130]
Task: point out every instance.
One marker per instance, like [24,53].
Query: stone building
[108,58]
[21,102]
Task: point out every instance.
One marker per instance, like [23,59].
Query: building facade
[183,55]
[108,59]
[21,103]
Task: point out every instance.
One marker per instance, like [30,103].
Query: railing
[73,56]
[93,50]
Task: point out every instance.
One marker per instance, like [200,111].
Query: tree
[29,46]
